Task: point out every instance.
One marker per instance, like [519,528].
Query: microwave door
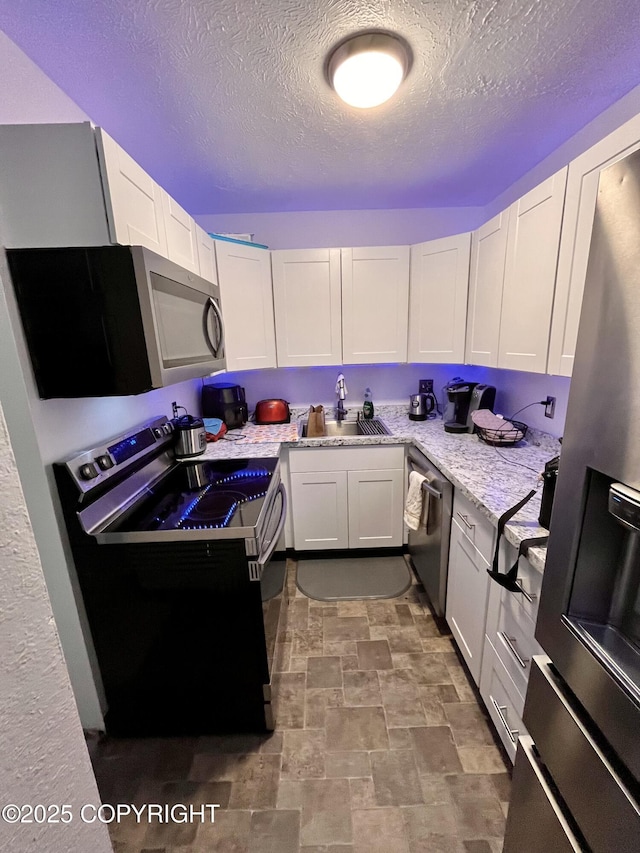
[184,330]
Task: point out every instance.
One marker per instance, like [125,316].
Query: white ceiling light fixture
[367,69]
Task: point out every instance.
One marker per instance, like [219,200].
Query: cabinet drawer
[530,581]
[476,527]
[305,459]
[511,633]
[503,699]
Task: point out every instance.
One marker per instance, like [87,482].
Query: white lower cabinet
[349,497]
[375,508]
[509,647]
[320,510]
[467,590]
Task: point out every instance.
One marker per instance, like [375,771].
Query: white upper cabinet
[375,304]
[486,279]
[307,302]
[577,224]
[244,274]
[133,199]
[530,276]
[206,255]
[182,241]
[438,299]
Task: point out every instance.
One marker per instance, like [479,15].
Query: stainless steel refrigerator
[576,777]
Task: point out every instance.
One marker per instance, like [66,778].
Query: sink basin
[336,429]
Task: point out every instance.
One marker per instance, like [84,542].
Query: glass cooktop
[205,496]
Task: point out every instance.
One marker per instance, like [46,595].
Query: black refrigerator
[576,776]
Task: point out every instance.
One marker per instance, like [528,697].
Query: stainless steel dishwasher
[429,544]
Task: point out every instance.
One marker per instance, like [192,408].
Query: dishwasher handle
[427,487]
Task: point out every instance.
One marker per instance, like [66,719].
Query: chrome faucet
[341,391]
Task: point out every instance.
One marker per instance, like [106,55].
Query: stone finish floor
[381,746]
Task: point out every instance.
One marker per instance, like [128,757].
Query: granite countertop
[493,479]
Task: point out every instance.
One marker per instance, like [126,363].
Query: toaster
[272,412]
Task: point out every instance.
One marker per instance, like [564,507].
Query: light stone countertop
[493,479]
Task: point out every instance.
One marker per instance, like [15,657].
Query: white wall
[393,383]
[305,229]
[44,431]
[617,114]
[44,756]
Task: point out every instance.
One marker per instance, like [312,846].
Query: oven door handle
[264,558]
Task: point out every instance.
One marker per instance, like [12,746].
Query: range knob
[88,471]
[104,462]
[157,431]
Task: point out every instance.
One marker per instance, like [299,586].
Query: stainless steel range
[173,560]
[577,777]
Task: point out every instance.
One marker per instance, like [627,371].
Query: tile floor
[380,747]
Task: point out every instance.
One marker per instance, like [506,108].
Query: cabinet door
[244,274]
[133,199]
[467,591]
[320,517]
[486,278]
[577,223]
[438,299]
[206,256]
[307,303]
[530,276]
[375,508]
[182,245]
[375,304]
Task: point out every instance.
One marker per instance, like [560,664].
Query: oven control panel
[95,466]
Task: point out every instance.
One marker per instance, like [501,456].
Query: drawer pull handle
[530,596]
[511,645]
[501,710]
[465,520]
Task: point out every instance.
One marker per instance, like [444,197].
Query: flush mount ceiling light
[366,70]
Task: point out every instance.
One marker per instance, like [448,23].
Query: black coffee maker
[464,398]
[225,401]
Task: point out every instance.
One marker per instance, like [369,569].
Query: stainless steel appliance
[172,560]
[582,708]
[226,401]
[464,399]
[190,437]
[114,320]
[274,411]
[421,406]
[429,544]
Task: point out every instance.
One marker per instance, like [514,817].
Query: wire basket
[503,437]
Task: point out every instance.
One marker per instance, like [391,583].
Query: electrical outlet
[425,386]
[550,407]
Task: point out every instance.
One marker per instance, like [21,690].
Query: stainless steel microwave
[114,320]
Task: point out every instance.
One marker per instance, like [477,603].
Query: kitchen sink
[336,429]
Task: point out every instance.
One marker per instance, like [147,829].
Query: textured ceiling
[226,105]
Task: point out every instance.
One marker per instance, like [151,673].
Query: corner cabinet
[514,260]
[438,300]
[375,304]
[347,497]
[244,274]
[307,294]
[577,224]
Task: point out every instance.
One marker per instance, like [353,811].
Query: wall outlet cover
[550,407]
[425,386]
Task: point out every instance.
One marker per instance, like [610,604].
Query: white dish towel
[414,501]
